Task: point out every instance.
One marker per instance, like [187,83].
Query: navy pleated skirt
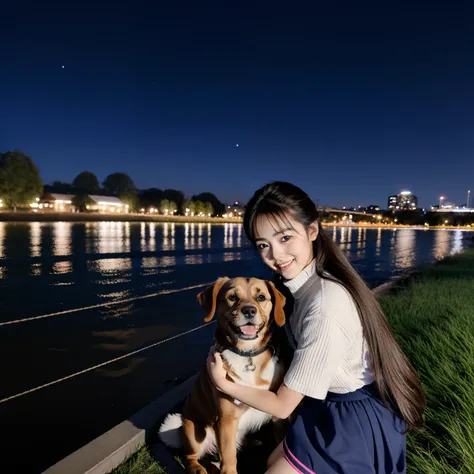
[350,433]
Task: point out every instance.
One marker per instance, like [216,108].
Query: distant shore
[25,216]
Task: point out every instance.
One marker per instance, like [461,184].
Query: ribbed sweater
[325,331]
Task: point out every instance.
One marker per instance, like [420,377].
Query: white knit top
[331,353]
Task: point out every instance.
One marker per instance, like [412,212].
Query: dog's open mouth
[247,331]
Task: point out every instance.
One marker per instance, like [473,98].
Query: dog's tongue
[249,330]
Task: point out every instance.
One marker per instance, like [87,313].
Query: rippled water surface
[80,297]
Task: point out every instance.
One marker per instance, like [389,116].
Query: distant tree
[174,195]
[187,204]
[20,181]
[173,207]
[121,185]
[150,198]
[219,207]
[86,182]
[208,210]
[59,187]
[164,206]
[167,207]
[198,207]
[118,183]
[81,201]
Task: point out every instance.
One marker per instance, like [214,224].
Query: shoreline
[98,217]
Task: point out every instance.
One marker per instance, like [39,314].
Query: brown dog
[246,310]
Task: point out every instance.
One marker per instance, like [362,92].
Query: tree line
[20,184]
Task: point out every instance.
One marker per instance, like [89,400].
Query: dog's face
[244,306]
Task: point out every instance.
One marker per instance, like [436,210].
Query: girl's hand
[216,369]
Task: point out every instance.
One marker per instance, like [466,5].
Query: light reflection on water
[378,242]
[441,247]
[60,268]
[405,248]
[62,238]
[35,239]
[109,249]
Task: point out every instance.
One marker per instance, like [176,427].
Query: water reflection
[405,254]
[114,237]
[231,256]
[112,266]
[168,241]
[193,259]
[228,235]
[91,237]
[342,242]
[441,245]
[123,242]
[2,248]
[457,242]
[239,235]
[35,239]
[35,269]
[189,236]
[147,237]
[168,261]
[361,248]
[62,238]
[59,268]
[349,238]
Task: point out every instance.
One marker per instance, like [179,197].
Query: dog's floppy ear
[207,299]
[278,312]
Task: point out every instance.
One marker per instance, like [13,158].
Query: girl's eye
[261,246]
[261,298]
[286,238]
[233,298]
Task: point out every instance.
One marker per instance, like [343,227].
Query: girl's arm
[280,404]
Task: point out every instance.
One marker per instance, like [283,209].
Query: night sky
[350,102]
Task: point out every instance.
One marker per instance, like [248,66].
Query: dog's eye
[261,298]
[233,297]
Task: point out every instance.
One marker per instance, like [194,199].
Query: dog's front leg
[227,426]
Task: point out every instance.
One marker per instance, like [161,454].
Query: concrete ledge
[109,450]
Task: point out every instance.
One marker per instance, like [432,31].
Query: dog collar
[254,353]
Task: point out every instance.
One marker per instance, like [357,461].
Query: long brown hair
[395,377]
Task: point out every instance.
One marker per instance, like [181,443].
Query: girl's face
[285,245]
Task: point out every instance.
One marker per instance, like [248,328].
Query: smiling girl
[360,394]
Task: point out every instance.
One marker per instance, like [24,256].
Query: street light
[468,196]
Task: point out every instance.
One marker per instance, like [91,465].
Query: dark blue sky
[350,102]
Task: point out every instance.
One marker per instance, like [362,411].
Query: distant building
[234,210]
[372,209]
[404,201]
[107,204]
[55,202]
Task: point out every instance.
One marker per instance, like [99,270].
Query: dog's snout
[249,311]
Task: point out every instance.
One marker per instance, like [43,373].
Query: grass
[433,318]
[140,462]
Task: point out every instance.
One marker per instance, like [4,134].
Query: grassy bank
[433,317]
[141,462]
